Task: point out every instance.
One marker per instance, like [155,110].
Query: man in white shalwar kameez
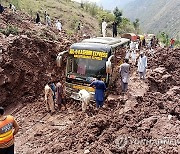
[104,25]
[127,54]
[142,65]
[132,46]
[58,25]
[133,57]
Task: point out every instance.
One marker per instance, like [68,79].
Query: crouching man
[84,98]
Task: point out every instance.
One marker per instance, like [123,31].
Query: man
[104,25]
[133,57]
[53,88]
[132,46]
[8,129]
[142,65]
[172,41]
[12,7]
[124,74]
[58,26]
[114,29]
[60,98]
[143,42]
[100,88]
[49,98]
[1,9]
[127,54]
[48,20]
[45,14]
[37,18]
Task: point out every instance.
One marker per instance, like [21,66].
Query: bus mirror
[59,60]
[108,67]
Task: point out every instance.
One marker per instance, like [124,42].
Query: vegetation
[71,14]
[165,39]
[136,25]
[124,24]
[10,30]
[118,15]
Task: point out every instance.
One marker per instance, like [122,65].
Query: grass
[10,30]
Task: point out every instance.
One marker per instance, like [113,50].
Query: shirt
[124,72]
[142,64]
[58,26]
[100,88]
[104,25]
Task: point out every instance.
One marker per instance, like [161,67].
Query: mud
[141,124]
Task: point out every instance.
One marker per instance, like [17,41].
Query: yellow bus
[90,58]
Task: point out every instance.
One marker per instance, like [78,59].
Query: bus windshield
[86,67]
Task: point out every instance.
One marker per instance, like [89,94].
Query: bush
[10,30]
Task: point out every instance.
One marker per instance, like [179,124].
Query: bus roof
[100,43]
[106,40]
[91,46]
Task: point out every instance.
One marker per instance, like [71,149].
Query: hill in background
[156,15]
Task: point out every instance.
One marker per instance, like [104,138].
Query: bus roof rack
[111,41]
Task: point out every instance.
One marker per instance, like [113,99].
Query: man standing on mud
[1,9]
[60,98]
[124,74]
[49,98]
[142,65]
[99,92]
[8,129]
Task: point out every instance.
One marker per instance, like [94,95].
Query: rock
[86,151]
[169,117]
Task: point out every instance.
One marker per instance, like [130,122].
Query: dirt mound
[145,127]
[28,57]
[28,63]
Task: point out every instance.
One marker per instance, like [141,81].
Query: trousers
[99,104]
[9,150]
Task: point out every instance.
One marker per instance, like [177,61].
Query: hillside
[155,16]
[69,13]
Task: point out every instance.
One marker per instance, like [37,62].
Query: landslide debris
[142,124]
[28,58]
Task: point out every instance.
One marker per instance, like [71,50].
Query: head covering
[141,53]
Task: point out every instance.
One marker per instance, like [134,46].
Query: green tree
[118,15]
[136,25]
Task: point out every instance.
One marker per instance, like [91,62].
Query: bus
[90,58]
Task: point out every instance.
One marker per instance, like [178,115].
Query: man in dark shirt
[1,8]
[114,29]
[99,92]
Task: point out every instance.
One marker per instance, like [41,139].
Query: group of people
[124,70]
[104,26]
[11,6]
[54,94]
[47,21]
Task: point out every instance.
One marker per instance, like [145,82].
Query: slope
[155,16]
[69,13]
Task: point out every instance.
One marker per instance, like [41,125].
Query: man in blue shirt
[99,92]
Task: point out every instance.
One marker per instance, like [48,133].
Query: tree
[118,15]
[136,25]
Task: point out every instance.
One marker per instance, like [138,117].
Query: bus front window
[86,67]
